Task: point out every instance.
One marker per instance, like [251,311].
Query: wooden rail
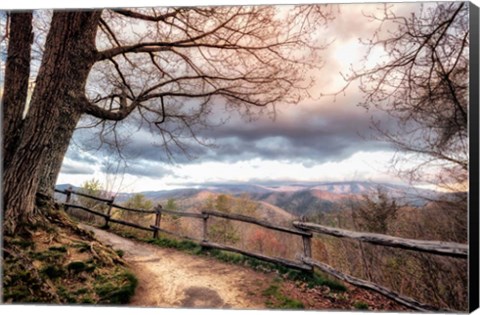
[70,205]
[183,214]
[276,260]
[300,228]
[306,236]
[374,287]
[134,225]
[132,209]
[433,247]
[238,217]
[91,197]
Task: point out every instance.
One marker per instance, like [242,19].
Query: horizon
[306,185]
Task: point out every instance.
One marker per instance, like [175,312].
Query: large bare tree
[422,82]
[163,67]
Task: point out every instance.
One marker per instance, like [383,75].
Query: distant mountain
[325,197]
[295,199]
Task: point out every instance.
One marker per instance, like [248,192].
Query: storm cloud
[139,168]
[77,169]
[311,133]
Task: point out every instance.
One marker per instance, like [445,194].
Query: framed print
[258,156]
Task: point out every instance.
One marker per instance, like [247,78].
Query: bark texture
[67,60]
[17,72]
[53,162]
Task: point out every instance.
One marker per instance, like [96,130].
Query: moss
[23,243]
[120,252]
[118,289]
[184,245]
[81,291]
[82,247]
[76,266]
[360,305]
[53,271]
[65,295]
[50,275]
[48,256]
[315,279]
[90,267]
[20,275]
[16,294]
[87,300]
[61,249]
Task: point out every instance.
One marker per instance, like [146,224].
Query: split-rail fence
[300,228]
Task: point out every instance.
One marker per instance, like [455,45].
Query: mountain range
[293,199]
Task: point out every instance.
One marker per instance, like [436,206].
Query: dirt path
[169,278]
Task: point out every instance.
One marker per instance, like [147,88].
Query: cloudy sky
[320,139]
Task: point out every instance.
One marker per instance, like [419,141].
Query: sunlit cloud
[320,139]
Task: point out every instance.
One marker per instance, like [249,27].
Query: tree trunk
[17,72]
[53,162]
[67,60]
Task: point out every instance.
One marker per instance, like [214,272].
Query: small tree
[137,201]
[222,230]
[266,242]
[173,221]
[94,188]
[375,212]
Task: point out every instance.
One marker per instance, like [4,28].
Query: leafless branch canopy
[171,65]
[423,83]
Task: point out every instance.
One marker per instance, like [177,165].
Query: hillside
[288,199]
[54,261]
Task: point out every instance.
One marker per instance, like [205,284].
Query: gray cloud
[77,169]
[75,154]
[309,134]
[140,168]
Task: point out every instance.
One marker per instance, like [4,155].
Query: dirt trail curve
[169,278]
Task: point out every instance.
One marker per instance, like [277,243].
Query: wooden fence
[302,229]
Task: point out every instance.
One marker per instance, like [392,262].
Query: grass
[359,305]
[277,300]
[315,279]
[111,293]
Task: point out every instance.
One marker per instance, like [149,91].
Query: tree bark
[53,162]
[67,60]
[17,71]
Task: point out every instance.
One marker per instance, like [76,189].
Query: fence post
[158,219]
[68,192]
[205,231]
[307,242]
[109,211]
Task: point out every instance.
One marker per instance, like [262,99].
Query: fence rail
[276,260]
[132,209]
[238,217]
[300,228]
[413,304]
[434,247]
